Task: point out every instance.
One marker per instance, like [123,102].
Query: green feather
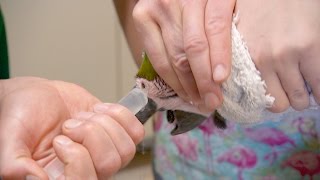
[146,70]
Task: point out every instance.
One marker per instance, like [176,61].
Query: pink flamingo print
[270,136]
[161,154]
[207,128]
[187,147]
[306,162]
[241,157]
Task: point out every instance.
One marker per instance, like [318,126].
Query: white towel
[245,98]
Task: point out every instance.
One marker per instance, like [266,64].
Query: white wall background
[78,41]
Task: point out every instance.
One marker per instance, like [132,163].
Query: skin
[175,34]
[58,119]
[285,47]
[187,53]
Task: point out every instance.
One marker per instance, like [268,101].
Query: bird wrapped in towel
[245,99]
[162,97]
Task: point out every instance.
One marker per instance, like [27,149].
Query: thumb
[21,168]
[75,158]
[15,159]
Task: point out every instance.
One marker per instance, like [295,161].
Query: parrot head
[162,97]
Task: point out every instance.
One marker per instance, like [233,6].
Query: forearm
[2,88]
[124,10]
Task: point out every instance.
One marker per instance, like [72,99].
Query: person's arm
[124,10]
[188,43]
[284,47]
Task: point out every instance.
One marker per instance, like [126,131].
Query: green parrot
[162,97]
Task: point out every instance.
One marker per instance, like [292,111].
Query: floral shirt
[287,149]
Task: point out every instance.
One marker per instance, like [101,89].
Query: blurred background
[78,41]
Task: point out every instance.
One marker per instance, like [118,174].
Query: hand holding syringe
[134,101]
[138,103]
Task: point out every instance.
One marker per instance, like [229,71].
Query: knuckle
[138,133]
[116,111]
[90,126]
[195,44]
[109,165]
[164,3]
[140,13]
[305,43]
[127,154]
[292,50]
[282,52]
[215,25]
[98,119]
[260,56]
[181,63]
[74,152]
[305,46]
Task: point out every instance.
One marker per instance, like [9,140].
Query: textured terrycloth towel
[245,98]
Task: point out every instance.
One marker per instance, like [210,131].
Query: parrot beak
[186,121]
[183,121]
[147,111]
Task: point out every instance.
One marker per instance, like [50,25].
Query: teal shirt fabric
[4,59]
[288,149]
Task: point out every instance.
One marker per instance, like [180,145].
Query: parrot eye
[143,85]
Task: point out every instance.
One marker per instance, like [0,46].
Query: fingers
[293,84]
[110,145]
[120,138]
[98,143]
[15,157]
[313,78]
[154,45]
[125,118]
[274,87]
[159,22]
[218,19]
[172,33]
[197,50]
[309,69]
[77,160]
[20,168]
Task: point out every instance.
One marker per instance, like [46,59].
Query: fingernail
[62,140]
[219,73]
[101,107]
[211,101]
[72,123]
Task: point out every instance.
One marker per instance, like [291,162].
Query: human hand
[189,45]
[284,41]
[33,115]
